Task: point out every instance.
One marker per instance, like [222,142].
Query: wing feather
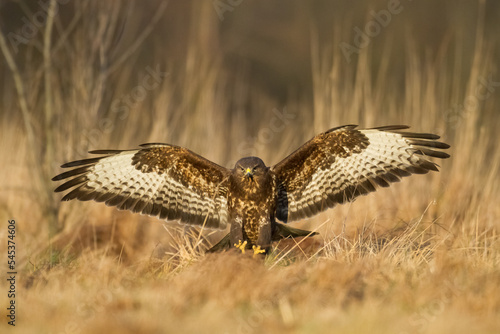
[157,180]
[342,163]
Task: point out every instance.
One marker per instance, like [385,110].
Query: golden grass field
[422,256]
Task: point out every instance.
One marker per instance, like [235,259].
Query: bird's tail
[221,245]
[282,231]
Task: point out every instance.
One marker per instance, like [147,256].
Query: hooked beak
[248,173]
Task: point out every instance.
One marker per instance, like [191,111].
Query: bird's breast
[251,205]
[251,215]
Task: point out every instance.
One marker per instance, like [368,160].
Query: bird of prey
[173,183]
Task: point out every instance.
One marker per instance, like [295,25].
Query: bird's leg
[257,250]
[236,233]
[241,246]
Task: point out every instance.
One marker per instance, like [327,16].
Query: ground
[422,256]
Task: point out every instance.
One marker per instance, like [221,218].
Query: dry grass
[420,257]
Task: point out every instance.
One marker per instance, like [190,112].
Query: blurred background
[229,79]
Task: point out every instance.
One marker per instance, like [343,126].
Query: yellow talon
[241,246]
[257,250]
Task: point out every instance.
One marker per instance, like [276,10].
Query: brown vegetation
[420,257]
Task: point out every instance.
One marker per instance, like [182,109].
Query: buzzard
[173,183]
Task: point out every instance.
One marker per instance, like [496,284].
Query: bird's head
[250,170]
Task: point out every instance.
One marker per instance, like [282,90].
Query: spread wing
[342,163]
[161,180]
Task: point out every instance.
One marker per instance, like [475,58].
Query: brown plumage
[173,183]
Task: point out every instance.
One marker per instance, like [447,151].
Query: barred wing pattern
[340,164]
[161,180]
